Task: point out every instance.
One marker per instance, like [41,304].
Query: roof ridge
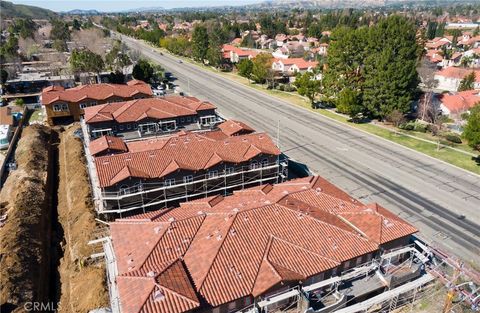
[265,253]
[322,222]
[218,250]
[160,238]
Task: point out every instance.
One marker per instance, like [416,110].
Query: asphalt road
[426,192]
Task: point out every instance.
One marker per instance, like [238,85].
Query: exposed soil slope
[25,239]
[82,285]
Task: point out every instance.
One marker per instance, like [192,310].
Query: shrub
[422,128]
[407,126]
[453,138]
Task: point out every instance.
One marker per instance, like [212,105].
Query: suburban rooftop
[243,244]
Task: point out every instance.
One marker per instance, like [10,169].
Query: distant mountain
[146,9]
[11,10]
[333,4]
[82,12]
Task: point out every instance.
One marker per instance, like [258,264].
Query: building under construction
[144,174]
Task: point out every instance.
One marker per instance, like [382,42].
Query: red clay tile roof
[106,143]
[460,102]
[156,158]
[6,117]
[246,243]
[458,73]
[239,51]
[299,62]
[232,127]
[95,92]
[137,110]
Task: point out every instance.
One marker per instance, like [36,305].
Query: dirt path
[25,238]
[83,286]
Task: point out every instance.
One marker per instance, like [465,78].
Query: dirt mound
[83,286]
[25,237]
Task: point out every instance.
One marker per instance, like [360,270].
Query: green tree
[440,31]
[199,43]
[307,85]
[262,65]
[348,102]
[59,31]
[345,60]
[390,71]
[472,129]
[214,52]
[76,24]
[86,61]
[143,71]
[3,76]
[467,83]
[245,68]
[431,29]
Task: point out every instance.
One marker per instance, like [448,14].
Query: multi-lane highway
[441,200]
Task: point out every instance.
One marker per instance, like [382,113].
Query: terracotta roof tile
[232,127]
[246,243]
[107,143]
[460,102]
[137,110]
[95,92]
[192,151]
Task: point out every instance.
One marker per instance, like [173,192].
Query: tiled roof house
[218,253]
[152,172]
[151,115]
[62,104]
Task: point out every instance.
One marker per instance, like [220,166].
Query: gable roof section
[136,110]
[246,243]
[191,151]
[107,143]
[458,73]
[95,92]
[460,102]
[233,127]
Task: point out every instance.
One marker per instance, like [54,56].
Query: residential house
[234,54]
[157,172]
[291,66]
[223,254]
[150,116]
[281,39]
[434,56]
[322,49]
[291,49]
[65,105]
[438,43]
[449,78]
[454,105]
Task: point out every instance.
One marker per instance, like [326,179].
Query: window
[120,127]
[169,182]
[59,107]
[253,165]
[229,170]
[114,128]
[232,306]
[213,174]
[189,119]
[135,126]
[124,189]
[182,120]
[248,301]
[129,126]
[264,162]
[188,179]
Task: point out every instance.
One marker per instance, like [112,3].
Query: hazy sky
[120,5]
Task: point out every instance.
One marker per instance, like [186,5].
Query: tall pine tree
[391,77]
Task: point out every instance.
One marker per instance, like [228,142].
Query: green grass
[445,154]
[36,116]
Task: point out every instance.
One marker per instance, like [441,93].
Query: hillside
[11,10]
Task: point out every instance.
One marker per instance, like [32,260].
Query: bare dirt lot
[25,237]
[83,286]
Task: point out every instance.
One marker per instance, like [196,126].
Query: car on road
[180,61]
